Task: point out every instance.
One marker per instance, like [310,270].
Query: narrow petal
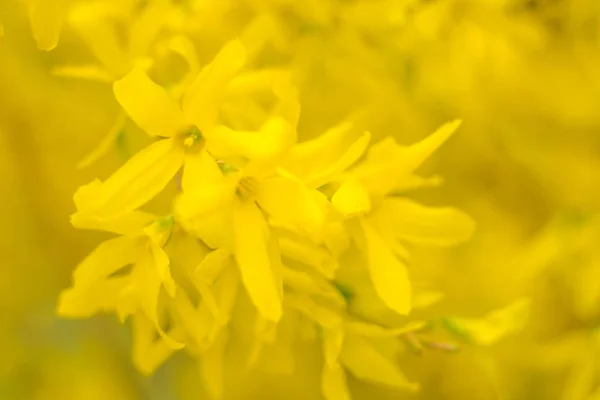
[389,166]
[294,204]
[335,169]
[148,104]
[366,363]
[407,220]
[377,331]
[144,176]
[107,143]
[201,101]
[148,353]
[212,265]
[351,199]
[389,275]
[87,72]
[130,223]
[85,302]
[251,236]
[200,172]
[148,284]
[417,153]
[323,148]
[107,258]
[100,36]
[273,138]
[46,19]
[496,324]
[324,316]
[213,365]
[195,322]
[333,340]
[146,27]
[333,383]
[208,216]
[161,261]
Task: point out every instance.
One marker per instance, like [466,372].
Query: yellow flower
[233,211]
[99,283]
[379,220]
[95,24]
[189,132]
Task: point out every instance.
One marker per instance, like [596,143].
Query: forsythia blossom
[259,220]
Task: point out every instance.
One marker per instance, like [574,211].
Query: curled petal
[388,273]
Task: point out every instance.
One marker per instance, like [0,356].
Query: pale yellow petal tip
[447,130]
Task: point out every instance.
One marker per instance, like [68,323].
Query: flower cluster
[261,213]
[257,218]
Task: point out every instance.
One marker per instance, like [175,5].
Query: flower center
[192,139]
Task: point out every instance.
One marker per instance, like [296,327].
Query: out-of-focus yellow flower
[379,221]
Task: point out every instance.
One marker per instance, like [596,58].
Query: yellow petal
[226,290]
[208,216]
[106,259]
[84,302]
[309,158]
[148,104]
[213,365]
[161,261]
[334,170]
[201,101]
[200,172]
[146,27]
[351,199]
[273,138]
[333,384]
[107,143]
[196,322]
[324,316]
[388,274]
[149,283]
[100,36]
[144,176]
[46,19]
[333,340]
[251,237]
[368,364]
[88,72]
[183,46]
[212,265]
[417,153]
[309,254]
[497,324]
[435,226]
[389,165]
[130,223]
[366,329]
[293,204]
[148,353]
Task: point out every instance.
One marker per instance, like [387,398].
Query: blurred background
[523,75]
